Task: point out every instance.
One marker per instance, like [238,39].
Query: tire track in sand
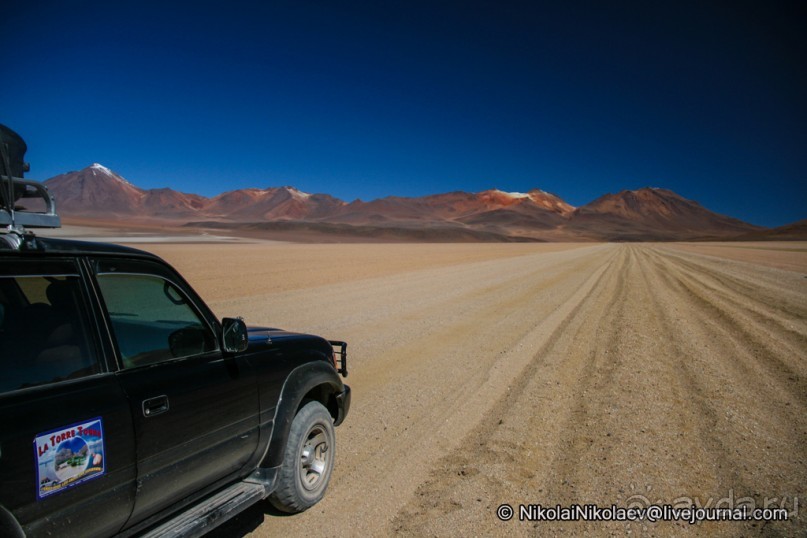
[441,380]
[647,392]
[764,333]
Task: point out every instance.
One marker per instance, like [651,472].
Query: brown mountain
[638,215]
[97,191]
[459,206]
[168,203]
[283,203]
[519,212]
[652,214]
[795,231]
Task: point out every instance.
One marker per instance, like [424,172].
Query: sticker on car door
[68,456]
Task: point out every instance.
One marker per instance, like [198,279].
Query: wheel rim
[314,458]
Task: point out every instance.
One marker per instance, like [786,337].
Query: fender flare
[9,525]
[299,382]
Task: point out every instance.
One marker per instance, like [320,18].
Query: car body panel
[226,416]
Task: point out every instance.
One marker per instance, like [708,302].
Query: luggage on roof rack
[23,203]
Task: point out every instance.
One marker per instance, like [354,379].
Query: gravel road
[607,374]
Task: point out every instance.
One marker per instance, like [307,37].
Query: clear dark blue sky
[368,99]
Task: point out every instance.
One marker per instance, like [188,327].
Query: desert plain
[552,374]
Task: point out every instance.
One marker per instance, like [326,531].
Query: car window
[152,320]
[44,331]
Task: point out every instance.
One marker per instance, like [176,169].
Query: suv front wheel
[308,461]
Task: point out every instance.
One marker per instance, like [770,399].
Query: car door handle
[155,406]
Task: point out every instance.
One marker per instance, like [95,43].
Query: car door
[195,411]
[67,449]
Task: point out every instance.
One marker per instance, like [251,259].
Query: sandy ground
[789,255]
[274,267]
[542,374]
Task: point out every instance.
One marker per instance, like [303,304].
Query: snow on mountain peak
[97,167]
[100,168]
[296,193]
[511,194]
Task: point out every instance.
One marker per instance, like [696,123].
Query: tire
[308,460]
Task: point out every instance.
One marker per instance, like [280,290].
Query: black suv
[127,408]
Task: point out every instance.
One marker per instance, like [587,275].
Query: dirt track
[601,374]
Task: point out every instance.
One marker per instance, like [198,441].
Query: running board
[206,516]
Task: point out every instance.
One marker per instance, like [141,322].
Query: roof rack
[15,189]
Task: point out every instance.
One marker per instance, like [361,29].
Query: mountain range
[647,214]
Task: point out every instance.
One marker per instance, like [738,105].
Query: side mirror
[234,335]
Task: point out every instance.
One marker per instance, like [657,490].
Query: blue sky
[369,99]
